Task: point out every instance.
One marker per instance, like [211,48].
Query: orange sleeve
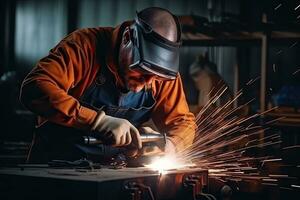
[45,89]
[171,113]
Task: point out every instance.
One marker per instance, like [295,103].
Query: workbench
[40,182]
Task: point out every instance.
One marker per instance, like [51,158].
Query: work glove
[116,131]
[169,148]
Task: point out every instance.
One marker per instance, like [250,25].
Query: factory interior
[240,73]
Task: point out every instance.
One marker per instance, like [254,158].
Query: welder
[109,81]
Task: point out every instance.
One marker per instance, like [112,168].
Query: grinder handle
[146,138]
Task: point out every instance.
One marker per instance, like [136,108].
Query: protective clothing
[120,130]
[58,87]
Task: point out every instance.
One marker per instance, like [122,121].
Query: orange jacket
[55,84]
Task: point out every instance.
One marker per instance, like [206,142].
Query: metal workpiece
[104,183]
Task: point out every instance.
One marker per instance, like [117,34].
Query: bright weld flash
[165,163]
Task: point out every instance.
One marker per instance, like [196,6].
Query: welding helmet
[152,53]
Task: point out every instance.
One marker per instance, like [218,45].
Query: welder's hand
[118,131]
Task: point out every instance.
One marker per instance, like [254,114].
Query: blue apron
[104,94]
[54,141]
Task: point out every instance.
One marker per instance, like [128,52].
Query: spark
[294,44]
[277,6]
[295,186]
[228,145]
[279,52]
[270,179]
[297,7]
[298,70]
[274,120]
[286,188]
[274,67]
[252,81]
[279,175]
[291,147]
[267,111]
[249,82]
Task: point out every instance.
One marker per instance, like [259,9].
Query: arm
[171,113]
[45,89]
[45,92]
